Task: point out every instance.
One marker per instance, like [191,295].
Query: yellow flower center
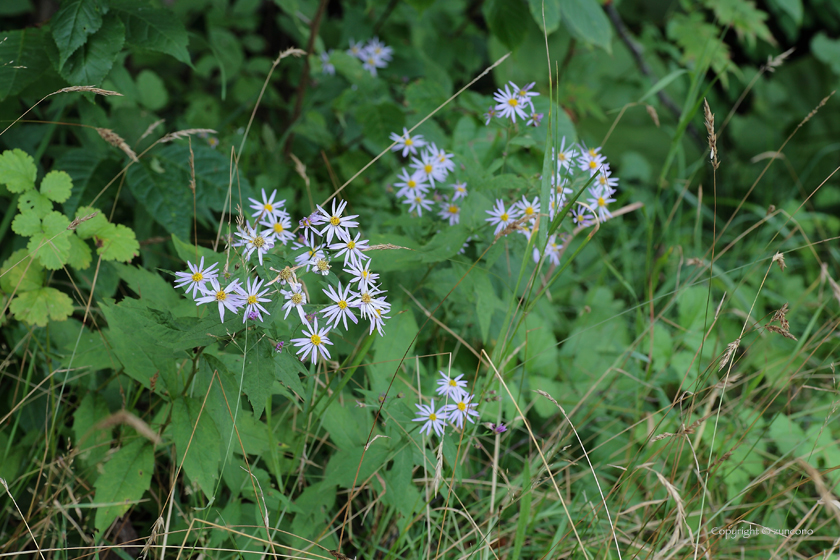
[453,209]
[592,152]
[335,220]
[252,300]
[427,168]
[366,297]
[442,157]
[370,61]
[462,407]
[316,340]
[592,164]
[561,157]
[278,228]
[409,142]
[432,416]
[221,295]
[342,304]
[365,273]
[411,183]
[453,383]
[322,265]
[504,217]
[197,277]
[529,211]
[513,102]
[602,180]
[258,241]
[297,298]
[268,207]
[601,201]
[351,244]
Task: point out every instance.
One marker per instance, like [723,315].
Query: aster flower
[451,388]
[341,308]
[552,251]
[252,297]
[462,409]
[227,297]
[407,143]
[320,264]
[581,217]
[253,241]
[444,160]
[605,180]
[356,49]
[535,119]
[378,48]
[196,278]
[337,225]
[309,225]
[529,209]
[509,105]
[295,298]
[591,160]
[600,198]
[351,249]
[433,419]
[362,275]
[451,212]
[278,227]
[460,190]
[368,302]
[327,66]
[418,204]
[267,206]
[565,156]
[308,257]
[429,168]
[411,185]
[500,217]
[525,94]
[377,320]
[488,116]
[372,62]
[314,343]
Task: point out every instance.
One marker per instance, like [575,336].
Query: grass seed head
[709,121]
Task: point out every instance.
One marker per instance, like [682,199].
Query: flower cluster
[324,236]
[374,54]
[429,170]
[511,103]
[571,162]
[460,407]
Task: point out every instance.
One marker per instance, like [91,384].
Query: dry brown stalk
[779,259]
[90,89]
[115,140]
[781,331]
[386,246]
[184,133]
[75,223]
[709,121]
[781,316]
[653,114]
[125,417]
[151,128]
[730,351]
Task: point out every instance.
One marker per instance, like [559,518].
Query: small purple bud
[500,429]
[253,315]
[310,317]
[279,346]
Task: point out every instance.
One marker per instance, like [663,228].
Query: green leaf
[80,256]
[97,225]
[507,20]
[71,25]
[825,50]
[92,445]
[51,243]
[24,60]
[156,292]
[21,273]
[92,61]
[662,83]
[117,243]
[153,29]
[259,375]
[17,170]
[793,8]
[80,164]
[552,14]
[33,202]
[37,307]
[201,446]
[151,90]
[585,20]
[125,478]
[57,186]
[348,425]
[445,244]
[379,120]
[26,224]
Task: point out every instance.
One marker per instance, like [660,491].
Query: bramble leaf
[71,25]
[21,273]
[57,186]
[94,226]
[585,20]
[37,307]
[125,478]
[26,224]
[92,61]
[23,50]
[33,202]
[153,29]
[17,170]
[80,255]
[52,243]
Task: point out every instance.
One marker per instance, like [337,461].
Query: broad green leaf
[26,224]
[196,435]
[286,369]
[151,90]
[793,8]
[24,60]
[125,479]
[379,120]
[662,83]
[348,425]
[71,25]
[80,255]
[344,464]
[552,14]
[259,374]
[51,243]
[37,307]
[92,444]
[789,438]
[80,164]
[117,243]
[98,225]
[33,202]
[388,351]
[156,292]
[507,20]
[586,21]
[92,61]
[21,273]
[825,50]
[188,253]
[444,244]
[17,170]
[57,186]
[152,28]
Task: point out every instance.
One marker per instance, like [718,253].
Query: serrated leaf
[24,61]
[201,446]
[37,307]
[26,224]
[92,61]
[17,170]
[552,14]
[33,202]
[57,186]
[91,444]
[507,20]
[52,243]
[259,375]
[125,478]
[94,226]
[153,29]
[586,21]
[21,273]
[71,25]
[80,255]
[117,243]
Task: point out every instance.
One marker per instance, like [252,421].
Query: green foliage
[74,22]
[125,479]
[17,171]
